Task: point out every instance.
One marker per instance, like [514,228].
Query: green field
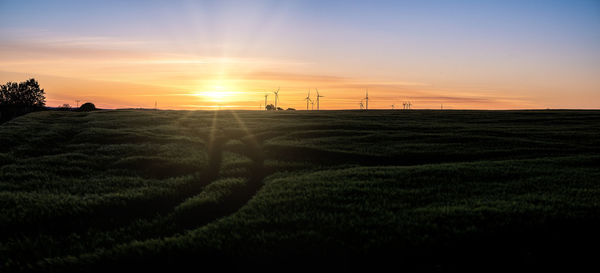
[419,190]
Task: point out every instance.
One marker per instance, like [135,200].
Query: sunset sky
[207,54]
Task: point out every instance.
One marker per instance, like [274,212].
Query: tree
[270,107]
[86,107]
[64,107]
[27,93]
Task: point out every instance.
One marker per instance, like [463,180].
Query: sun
[218,94]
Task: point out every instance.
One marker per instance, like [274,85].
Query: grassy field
[419,190]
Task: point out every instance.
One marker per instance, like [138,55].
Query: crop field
[424,191]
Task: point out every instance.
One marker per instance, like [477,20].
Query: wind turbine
[307,99]
[367,99]
[276,97]
[318,96]
[361,105]
[266,95]
[392,107]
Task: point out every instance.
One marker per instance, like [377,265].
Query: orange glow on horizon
[247,93]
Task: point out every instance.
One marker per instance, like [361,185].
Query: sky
[202,55]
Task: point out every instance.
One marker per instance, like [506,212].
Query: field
[419,190]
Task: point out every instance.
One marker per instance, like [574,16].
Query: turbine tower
[307,99]
[367,99]
[276,97]
[362,106]
[318,96]
[266,95]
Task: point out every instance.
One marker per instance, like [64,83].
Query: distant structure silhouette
[362,106]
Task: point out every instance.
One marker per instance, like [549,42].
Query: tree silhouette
[86,107]
[27,93]
[64,107]
[270,107]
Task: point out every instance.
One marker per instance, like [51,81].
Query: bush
[64,107]
[86,107]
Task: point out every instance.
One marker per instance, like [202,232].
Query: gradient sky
[205,54]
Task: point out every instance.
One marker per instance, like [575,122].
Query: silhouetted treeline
[27,93]
[20,98]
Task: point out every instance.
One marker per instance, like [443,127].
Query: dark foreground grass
[418,190]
